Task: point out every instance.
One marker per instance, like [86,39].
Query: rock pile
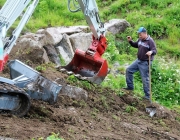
[56,42]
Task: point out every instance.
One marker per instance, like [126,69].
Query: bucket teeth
[70,72]
[78,75]
[84,78]
[63,70]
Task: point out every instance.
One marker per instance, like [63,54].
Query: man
[146,47]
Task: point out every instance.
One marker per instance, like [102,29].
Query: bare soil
[104,116]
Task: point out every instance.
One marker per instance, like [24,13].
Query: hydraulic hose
[77,7]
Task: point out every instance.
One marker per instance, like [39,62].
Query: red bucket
[91,66]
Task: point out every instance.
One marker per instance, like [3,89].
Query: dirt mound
[104,115]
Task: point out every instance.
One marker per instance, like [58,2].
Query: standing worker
[146,47]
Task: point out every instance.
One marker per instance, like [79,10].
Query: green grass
[130,109]
[52,136]
[53,13]
[161,18]
[165,74]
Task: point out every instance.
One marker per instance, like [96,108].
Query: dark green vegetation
[162,20]
[165,74]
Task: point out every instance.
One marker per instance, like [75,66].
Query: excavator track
[13,100]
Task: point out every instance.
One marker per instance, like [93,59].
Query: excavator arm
[89,65]
[91,13]
[9,13]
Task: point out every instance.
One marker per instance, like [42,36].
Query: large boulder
[30,40]
[64,48]
[73,29]
[50,36]
[81,41]
[29,55]
[40,44]
[116,26]
[28,49]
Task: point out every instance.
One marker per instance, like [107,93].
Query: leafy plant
[81,83]
[166,83]
[54,136]
[130,109]
[116,117]
[62,61]
[40,68]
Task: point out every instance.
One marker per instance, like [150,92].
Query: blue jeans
[142,67]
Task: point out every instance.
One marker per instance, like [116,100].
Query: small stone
[116,26]
[74,92]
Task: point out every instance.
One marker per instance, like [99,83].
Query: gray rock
[29,40]
[114,70]
[74,92]
[52,54]
[116,26]
[40,31]
[63,54]
[65,43]
[73,29]
[163,113]
[45,56]
[52,36]
[81,41]
[116,64]
[40,38]
[30,49]
[65,30]
[4,138]
[64,48]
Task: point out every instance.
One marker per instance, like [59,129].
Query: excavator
[25,83]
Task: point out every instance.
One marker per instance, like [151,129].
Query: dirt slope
[103,116]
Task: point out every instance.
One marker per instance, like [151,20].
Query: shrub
[54,136]
[40,68]
[165,82]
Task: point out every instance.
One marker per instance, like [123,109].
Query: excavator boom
[90,65]
[9,13]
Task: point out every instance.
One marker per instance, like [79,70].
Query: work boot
[127,90]
[146,98]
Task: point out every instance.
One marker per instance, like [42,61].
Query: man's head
[142,32]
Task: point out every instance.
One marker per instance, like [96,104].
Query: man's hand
[129,38]
[149,53]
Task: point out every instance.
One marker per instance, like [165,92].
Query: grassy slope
[159,17]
